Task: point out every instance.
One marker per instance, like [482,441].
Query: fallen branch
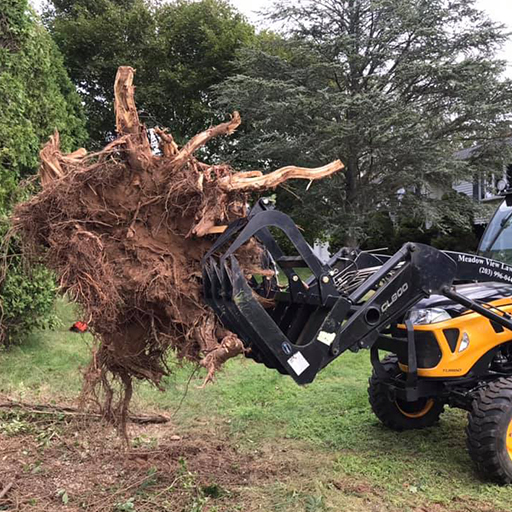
[140,419]
[6,489]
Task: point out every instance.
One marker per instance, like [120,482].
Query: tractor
[444,319]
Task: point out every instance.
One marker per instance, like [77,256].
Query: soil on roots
[120,242]
[125,231]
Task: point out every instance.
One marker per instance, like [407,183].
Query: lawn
[269,444]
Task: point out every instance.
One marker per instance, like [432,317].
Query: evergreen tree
[391,87]
[36,97]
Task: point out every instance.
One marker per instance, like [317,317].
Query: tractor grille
[452,337]
[428,352]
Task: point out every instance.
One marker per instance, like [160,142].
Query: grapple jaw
[238,306]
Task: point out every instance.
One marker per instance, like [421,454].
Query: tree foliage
[178,49]
[391,87]
[455,231]
[27,296]
[36,97]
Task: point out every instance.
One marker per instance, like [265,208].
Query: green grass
[47,361]
[330,420]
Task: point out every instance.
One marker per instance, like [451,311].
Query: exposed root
[125,231]
[229,347]
[257,181]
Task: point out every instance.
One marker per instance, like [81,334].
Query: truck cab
[496,242]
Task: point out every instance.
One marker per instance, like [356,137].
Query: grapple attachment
[298,325]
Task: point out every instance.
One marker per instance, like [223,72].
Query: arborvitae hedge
[36,97]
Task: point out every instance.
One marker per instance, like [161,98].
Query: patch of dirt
[75,465]
[85,466]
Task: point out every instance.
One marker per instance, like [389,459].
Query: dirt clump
[125,230]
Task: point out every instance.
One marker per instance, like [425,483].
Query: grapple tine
[236,301]
[207,282]
[221,299]
[231,300]
[215,277]
[226,298]
[225,280]
[261,327]
[211,285]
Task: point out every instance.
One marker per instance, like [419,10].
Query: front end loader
[444,318]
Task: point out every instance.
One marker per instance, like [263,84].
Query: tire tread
[387,411]
[483,427]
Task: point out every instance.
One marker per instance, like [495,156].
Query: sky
[498,10]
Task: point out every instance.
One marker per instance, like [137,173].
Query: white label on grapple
[326,337]
[298,363]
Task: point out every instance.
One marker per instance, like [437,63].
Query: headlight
[428,316]
[464,342]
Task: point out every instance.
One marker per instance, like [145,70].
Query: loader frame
[312,323]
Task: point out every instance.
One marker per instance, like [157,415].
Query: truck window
[496,242]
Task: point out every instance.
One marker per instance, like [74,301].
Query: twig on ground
[6,489]
[141,419]
[184,393]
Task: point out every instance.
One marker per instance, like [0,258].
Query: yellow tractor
[445,318]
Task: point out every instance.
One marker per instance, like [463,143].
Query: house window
[484,187]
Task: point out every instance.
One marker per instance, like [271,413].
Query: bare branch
[249,181]
[202,138]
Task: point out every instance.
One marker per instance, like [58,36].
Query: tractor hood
[479,292]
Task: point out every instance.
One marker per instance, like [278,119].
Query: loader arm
[309,324]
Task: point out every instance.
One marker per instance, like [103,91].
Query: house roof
[465,154]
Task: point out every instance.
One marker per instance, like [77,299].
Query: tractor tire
[399,415]
[489,431]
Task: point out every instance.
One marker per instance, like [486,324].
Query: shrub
[27,298]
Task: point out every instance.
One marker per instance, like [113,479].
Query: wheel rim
[419,410]
[509,439]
